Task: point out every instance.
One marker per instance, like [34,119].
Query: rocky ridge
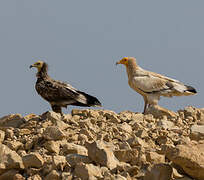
[101,144]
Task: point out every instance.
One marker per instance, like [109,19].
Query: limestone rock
[137,142]
[102,154]
[33,160]
[56,119]
[158,112]
[101,144]
[59,162]
[126,155]
[159,172]
[142,133]
[35,177]
[197,132]
[119,177]
[71,148]
[52,146]
[189,157]
[54,175]
[74,159]
[13,120]
[184,178]
[31,117]
[138,117]
[14,145]
[53,133]
[125,127]
[87,171]
[9,133]
[165,124]
[9,159]
[191,112]
[8,175]
[2,136]
[66,176]
[155,158]
[18,177]
[24,131]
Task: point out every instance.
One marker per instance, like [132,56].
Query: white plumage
[152,85]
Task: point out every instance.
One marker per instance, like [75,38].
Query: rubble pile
[103,145]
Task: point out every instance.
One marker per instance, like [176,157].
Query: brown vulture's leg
[57,109]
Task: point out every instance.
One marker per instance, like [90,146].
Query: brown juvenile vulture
[60,94]
[152,85]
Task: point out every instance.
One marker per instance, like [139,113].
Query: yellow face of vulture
[38,65]
[123,61]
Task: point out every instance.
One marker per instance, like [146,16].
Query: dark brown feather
[60,94]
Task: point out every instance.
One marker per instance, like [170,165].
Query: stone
[18,177]
[165,124]
[52,146]
[21,152]
[190,157]
[158,112]
[125,116]
[54,175]
[125,127]
[59,162]
[51,115]
[161,140]
[197,132]
[101,144]
[190,112]
[14,145]
[2,136]
[138,117]
[9,133]
[87,133]
[56,119]
[124,145]
[184,178]
[29,144]
[101,153]
[142,133]
[119,177]
[35,177]
[31,117]
[53,133]
[155,158]
[13,120]
[135,142]
[80,112]
[8,175]
[74,159]
[9,159]
[71,148]
[159,172]
[25,131]
[176,174]
[87,171]
[34,160]
[126,155]
[82,138]
[66,176]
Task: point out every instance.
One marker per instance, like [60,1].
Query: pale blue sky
[82,40]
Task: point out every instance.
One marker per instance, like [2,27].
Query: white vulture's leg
[145,105]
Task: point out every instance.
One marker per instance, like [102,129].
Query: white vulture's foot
[158,111]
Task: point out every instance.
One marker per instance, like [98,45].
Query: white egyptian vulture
[152,85]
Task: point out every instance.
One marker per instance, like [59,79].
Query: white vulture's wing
[150,82]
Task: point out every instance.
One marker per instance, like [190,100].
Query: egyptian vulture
[60,94]
[152,85]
